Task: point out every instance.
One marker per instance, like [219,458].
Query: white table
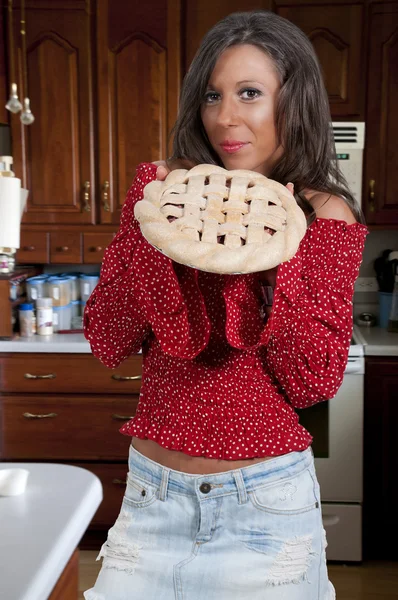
[41,528]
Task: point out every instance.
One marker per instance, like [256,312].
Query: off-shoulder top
[218,381]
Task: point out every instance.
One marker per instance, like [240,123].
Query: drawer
[94,246]
[68,373]
[34,247]
[113,479]
[65,247]
[65,427]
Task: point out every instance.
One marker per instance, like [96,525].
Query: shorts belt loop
[164,485]
[240,484]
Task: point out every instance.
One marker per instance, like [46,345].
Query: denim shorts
[252,533]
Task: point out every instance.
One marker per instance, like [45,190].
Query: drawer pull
[105,191]
[29,248]
[49,376]
[30,416]
[62,248]
[121,417]
[96,249]
[119,481]
[126,377]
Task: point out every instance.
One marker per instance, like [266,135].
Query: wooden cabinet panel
[336,34]
[54,155]
[201,15]
[133,47]
[65,248]
[113,478]
[380,459]
[381,151]
[42,427]
[68,373]
[94,246]
[34,248]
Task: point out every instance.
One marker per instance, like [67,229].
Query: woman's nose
[228,113]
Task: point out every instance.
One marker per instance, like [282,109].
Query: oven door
[337,429]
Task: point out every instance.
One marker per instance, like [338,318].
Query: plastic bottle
[393,320]
[44,316]
[26,320]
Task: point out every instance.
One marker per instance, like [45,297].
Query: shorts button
[205,488]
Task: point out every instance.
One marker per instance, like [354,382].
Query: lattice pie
[221,221]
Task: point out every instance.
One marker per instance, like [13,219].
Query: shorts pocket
[139,493]
[290,496]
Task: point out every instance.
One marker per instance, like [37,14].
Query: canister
[36,287]
[88,281]
[59,289]
[62,317]
[44,316]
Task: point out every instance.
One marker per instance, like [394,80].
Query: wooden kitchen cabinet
[69,408]
[380,519]
[138,79]
[55,155]
[335,31]
[380,197]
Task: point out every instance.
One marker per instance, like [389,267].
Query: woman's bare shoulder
[328,206]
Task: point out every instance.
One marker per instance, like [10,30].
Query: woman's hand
[165,166]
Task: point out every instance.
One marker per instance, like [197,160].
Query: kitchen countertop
[377,342]
[58,342]
[41,528]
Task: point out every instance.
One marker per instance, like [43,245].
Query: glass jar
[44,316]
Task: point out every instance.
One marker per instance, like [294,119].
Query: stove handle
[329,520]
[354,366]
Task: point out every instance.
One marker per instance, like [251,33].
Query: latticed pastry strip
[221,221]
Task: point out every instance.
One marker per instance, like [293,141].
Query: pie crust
[221,221]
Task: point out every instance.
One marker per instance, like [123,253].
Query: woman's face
[238,111]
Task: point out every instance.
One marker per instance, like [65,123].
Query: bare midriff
[196,465]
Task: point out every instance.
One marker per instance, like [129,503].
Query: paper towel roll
[10,211]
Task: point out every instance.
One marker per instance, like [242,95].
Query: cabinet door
[138,84]
[200,16]
[336,34]
[381,150]
[380,519]
[54,155]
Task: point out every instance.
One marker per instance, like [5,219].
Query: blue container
[385,303]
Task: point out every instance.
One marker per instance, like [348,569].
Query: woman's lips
[233,147]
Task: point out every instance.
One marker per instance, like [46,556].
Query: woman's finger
[161,173]
[290,187]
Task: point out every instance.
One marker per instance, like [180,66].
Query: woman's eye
[211,97]
[250,93]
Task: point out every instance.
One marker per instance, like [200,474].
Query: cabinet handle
[119,481]
[29,248]
[121,417]
[30,416]
[96,249]
[62,248]
[126,377]
[372,195]
[105,191]
[86,196]
[49,376]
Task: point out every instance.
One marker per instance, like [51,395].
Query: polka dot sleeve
[115,321]
[309,332]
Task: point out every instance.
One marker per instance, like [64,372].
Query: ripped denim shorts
[254,532]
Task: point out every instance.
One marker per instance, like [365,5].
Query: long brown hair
[303,120]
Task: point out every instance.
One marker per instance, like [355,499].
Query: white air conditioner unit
[349,139]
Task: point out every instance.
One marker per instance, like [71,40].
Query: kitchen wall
[376,242]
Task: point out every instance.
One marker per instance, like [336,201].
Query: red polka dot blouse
[218,381]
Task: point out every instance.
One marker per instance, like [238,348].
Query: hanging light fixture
[13,104]
[26,117]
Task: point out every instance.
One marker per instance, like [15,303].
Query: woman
[222,499]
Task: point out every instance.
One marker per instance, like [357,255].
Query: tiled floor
[369,581]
